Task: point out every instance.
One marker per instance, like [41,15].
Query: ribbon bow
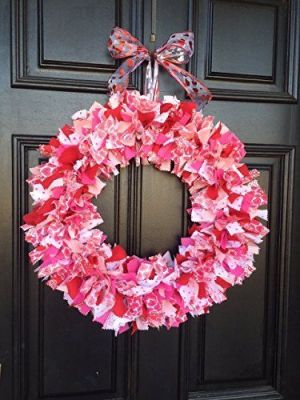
[177,50]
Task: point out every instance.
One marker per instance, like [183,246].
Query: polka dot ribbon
[175,52]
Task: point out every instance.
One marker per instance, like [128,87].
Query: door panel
[58,45]
[58,352]
[248,49]
[247,52]
[243,349]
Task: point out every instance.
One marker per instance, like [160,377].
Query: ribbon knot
[176,51]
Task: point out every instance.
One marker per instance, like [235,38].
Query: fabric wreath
[124,291]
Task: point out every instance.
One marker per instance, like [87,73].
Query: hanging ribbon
[175,52]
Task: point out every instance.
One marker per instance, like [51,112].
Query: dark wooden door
[53,62]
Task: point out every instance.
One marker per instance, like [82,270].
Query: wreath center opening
[144,210]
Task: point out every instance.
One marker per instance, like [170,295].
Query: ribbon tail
[148,79]
[156,91]
[151,81]
[195,89]
[118,82]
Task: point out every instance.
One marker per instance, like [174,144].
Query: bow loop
[176,51]
[122,44]
[173,54]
